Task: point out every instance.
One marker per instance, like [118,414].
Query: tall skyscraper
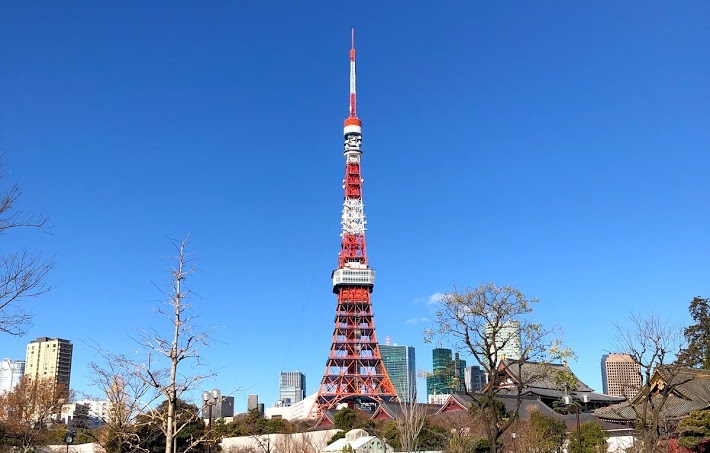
[402,370]
[292,387]
[621,376]
[11,371]
[508,340]
[475,378]
[49,358]
[354,373]
[447,373]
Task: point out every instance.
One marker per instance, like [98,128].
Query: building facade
[252,402]
[49,358]
[401,367]
[508,341]
[11,371]
[292,387]
[475,378]
[447,374]
[88,414]
[621,376]
[223,408]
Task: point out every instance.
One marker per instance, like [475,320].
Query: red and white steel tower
[355,373]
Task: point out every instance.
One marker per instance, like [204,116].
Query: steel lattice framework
[355,373]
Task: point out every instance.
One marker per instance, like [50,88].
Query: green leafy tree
[254,423]
[336,436]
[593,438]
[276,426]
[694,431]
[697,353]
[390,432]
[347,419]
[433,437]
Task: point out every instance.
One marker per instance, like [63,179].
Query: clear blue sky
[560,147]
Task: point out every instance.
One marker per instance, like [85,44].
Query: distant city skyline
[559,150]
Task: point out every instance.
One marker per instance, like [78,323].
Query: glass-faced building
[475,377]
[447,374]
[400,364]
[292,387]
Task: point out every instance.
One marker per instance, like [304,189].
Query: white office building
[508,342]
[11,372]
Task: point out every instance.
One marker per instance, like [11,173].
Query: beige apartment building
[620,375]
[49,358]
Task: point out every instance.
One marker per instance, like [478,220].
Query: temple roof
[691,391]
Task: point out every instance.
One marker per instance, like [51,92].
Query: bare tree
[166,366]
[22,274]
[653,345]
[126,394]
[183,344]
[410,421]
[483,321]
[299,443]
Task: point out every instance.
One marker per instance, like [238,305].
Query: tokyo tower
[355,374]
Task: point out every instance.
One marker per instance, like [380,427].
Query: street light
[68,439]
[569,402]
[513,435]
[210,399]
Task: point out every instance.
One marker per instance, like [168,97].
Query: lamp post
[68,439]
[513,436]
[569,402]
[210,399]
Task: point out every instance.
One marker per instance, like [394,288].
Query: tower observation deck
[355,373]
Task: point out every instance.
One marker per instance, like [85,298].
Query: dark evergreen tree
[697,353]
[694,432]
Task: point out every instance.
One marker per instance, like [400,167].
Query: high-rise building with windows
[222,407]
[447,374]
[49,358]
[475,378]
[292,387]
[11,371]
[508,341]
[621,375]
[252,402]
[401,367]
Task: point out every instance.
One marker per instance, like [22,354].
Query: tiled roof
[692,392]
[394,410]
[540,375]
